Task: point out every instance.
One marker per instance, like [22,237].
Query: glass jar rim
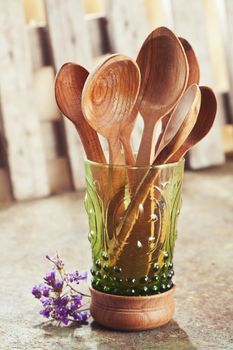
[125,166]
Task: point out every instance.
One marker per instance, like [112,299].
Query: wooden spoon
[109,95]
[194,69]
[125,136]
[188,105]
[203,124]
[187,110]
[193,78]
[177,122]
[164,73]
[68,89]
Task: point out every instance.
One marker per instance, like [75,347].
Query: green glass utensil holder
[134,257]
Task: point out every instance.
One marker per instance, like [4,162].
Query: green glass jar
[132,215]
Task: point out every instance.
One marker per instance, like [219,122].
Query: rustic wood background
[40,153]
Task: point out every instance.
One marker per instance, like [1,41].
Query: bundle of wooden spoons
[107,101]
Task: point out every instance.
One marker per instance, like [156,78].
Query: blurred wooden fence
[40,153]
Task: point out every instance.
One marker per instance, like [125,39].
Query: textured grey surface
[203,266]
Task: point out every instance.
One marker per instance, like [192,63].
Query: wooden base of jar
[132,313]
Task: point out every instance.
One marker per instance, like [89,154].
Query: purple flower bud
[75,304]
[61,301]
[76,276]
[46,301]
[65,320]
[46,291]
[84,316]
[59,263]
[82,276]
[56,260]
[57,286]
[77,300]
[46,312]
[76,316]
[61,314]
[41,290]
[36,291]
[50,278]
[77,297]
[81,316]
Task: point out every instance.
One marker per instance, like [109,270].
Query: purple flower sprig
[61,301]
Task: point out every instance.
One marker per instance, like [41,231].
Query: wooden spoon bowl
[109,95]
[180,124]
[205,120]
[194,69]
[193,78]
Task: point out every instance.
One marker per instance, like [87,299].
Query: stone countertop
[203,266]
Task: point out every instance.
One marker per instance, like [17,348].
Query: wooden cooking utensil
[68,89]
[202,126]
[194,69]
[164,73]
[108,97]
[125,136]
[193,78]
[176,124]
[188,105]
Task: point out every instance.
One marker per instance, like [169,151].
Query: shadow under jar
[132,258]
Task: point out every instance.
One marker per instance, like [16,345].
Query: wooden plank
[49,140]
[39,46]
[58,168]
[209,151]
[5,191]
[40,43]
[45,102]
[159,13]
[98,34]
[21,123]
[128,25]
[57,164]
[59,175]
[93,6]
[34,10]
[70,42]
[68,32]
[227,133]
[217,52]
[227,23]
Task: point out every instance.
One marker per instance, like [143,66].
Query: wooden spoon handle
[145,148]
[129,156]
[189,106]
[115,156]
[164,121]
[91,143]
